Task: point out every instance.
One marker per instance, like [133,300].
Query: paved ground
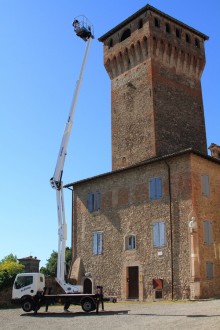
[147,316]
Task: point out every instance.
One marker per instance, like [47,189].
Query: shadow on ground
[74,314]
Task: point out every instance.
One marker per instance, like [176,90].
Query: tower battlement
[155,63]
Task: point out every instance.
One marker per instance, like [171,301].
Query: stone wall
[126,209]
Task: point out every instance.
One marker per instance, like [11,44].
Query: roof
[150,8]
[29,258]
[146,162]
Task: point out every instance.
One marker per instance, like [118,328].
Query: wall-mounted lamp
[192,224]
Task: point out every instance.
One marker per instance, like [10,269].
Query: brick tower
[155,65]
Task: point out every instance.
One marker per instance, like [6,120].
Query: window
[167,27]
[155,188]
[110,45]
[197,44]
[23,281]
[188,38]
[156,22]
[140,24]
[97,243]
[94,201]
[159,234]
[126,34]
[130,242]
[205,185]
[207,226]
[209,270]
[178,33]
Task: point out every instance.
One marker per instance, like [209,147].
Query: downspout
[171,228]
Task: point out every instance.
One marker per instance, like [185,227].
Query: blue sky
[40,60]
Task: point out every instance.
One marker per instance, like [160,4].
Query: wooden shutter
[94,243]
[206,231]
[158,187]
[205,185]
[209,269]
[99,243]
[208,239]
[97,199]
[162,233]
[155,188]
[90,201]
[156,235]
[210,233]
[152,188]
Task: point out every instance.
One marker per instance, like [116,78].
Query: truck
[29,289]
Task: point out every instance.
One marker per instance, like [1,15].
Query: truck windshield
[23,281]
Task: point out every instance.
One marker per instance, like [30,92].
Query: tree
[51,266]
[9,268]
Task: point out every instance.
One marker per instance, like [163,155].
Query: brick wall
[157,105]
[207,208]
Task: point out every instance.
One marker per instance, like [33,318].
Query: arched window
[126,34]
[197,44]
[130,242]
[140,24]
[110,45]
[167,27]
[188,38]
[178,33]
[157,22]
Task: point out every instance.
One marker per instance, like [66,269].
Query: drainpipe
[171,228]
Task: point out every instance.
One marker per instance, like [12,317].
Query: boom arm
[56,180]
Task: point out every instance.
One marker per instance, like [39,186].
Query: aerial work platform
[83,28]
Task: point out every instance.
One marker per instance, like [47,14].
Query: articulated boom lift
[84,30]
[29,289]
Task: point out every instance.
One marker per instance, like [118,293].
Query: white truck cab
[27,285]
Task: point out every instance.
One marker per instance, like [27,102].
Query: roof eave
[155,10]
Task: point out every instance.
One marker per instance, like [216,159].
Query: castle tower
[155,65]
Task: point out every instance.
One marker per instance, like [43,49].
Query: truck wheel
[27,305]
[88,305]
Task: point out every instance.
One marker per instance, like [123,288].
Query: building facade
[31,264]
[151,228]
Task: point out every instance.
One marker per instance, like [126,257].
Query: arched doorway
[87,286]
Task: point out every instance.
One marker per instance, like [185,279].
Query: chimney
[215,150]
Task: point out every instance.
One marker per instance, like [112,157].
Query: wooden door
[133,286]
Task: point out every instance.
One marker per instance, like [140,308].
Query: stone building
[31,264]
[151,227]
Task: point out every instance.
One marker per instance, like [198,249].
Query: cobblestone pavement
[122,315]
